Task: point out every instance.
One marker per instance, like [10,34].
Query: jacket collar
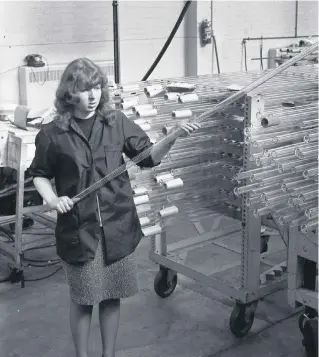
[66,121]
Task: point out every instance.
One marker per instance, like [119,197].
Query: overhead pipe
[275,38]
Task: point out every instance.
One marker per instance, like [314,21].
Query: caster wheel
[241,320]
[165,282]
[310,341]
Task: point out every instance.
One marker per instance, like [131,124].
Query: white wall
[144,29]
[235,20]
[62,31]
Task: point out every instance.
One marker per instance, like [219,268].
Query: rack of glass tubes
[241,165]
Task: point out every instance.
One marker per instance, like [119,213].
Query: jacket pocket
[113,156]
[67,228]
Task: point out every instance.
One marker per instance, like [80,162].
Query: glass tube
[280,178]
[301,168]
[309,138]
[277,199]
[285,219]
[262,134]
[304,187]
[184,155]
[244,189]
[293,201]
[287,158]
[286,186]
[194,168]
[261,143]
[266,210]
[291,136]
[252,201]
[308,124]
[264,161]
[306,154]
[310,172]
[248,174]
[286,150]
[282,167]
[256,156]
[298,221]
[260,190]
[304,205]
[263,175]
[266,195]
[306,195]
[307,227]
[311,212]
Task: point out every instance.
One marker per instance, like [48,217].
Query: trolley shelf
[307,297]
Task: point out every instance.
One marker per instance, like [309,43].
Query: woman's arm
[42,170]
[162,148]
[45,189]
[136,141]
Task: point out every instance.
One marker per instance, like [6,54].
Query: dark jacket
[64,153]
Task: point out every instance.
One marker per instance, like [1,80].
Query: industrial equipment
[279,55]
[237,166]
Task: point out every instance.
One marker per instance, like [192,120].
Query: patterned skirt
[95,281]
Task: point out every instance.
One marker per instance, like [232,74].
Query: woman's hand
[187,128]
[61,204]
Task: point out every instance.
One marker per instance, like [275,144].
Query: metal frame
[253,287]
[301,247]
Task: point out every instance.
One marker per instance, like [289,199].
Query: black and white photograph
[159,178]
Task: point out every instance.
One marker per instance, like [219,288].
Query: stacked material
[284,141]
[284,54]
[201,173]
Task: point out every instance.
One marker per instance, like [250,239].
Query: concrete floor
[192,322]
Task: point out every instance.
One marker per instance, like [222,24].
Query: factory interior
[227,266]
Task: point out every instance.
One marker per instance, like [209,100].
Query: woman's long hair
[81,74]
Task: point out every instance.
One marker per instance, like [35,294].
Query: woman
[96,238]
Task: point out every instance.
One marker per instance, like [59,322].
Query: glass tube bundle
[203,173]
[283,182]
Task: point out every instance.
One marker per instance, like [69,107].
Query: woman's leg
[109,314]
[80,321]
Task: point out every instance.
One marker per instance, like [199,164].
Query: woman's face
[88,101]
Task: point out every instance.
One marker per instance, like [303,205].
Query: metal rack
[253,284]
[255,281]
[302,254]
